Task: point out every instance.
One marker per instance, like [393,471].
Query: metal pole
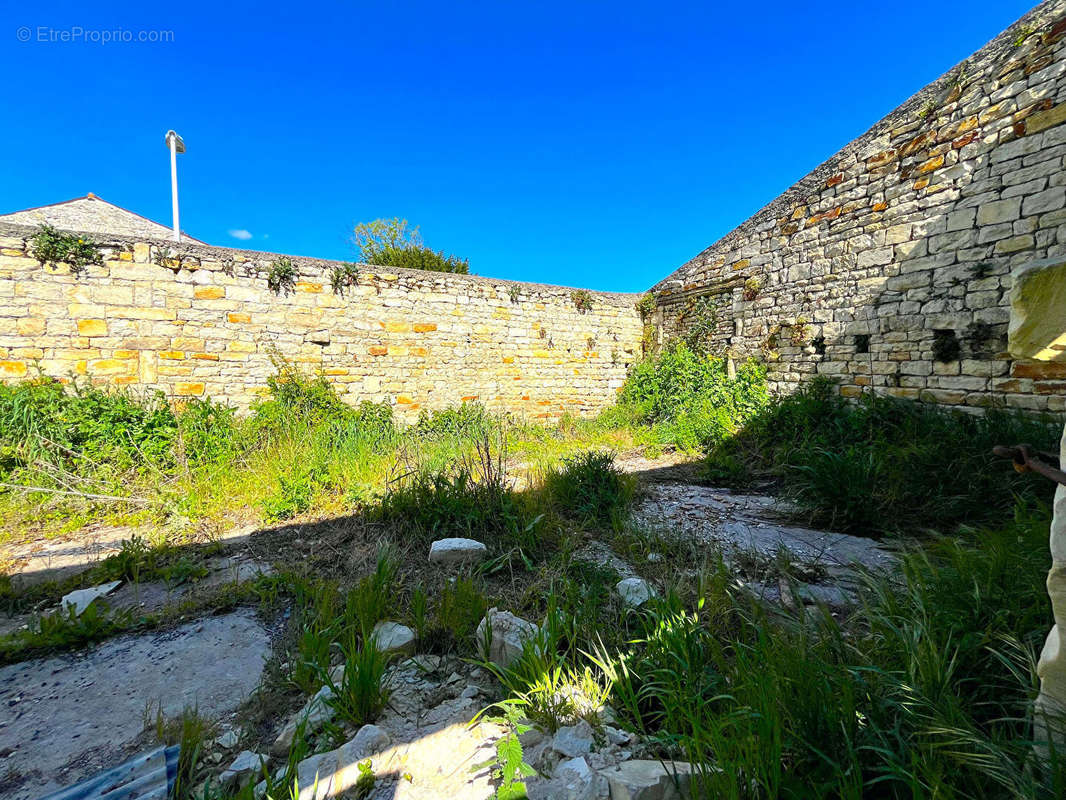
[174,185]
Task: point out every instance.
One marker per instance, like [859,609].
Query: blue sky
[580,143]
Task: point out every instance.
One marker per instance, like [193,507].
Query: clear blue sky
[593,144]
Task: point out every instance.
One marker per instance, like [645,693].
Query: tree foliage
[393,243]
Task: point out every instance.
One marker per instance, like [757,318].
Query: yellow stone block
[308,287]
[92,327]
[209,293]
[30,326]
[186,343]
[124,354]
[1037,328]
[238,346]
[206,356]
[395,350]
[172,355]
[188,389]
[1042,120]
[397,327]
[109,366]
[424,327]
[12,369]
[236,316]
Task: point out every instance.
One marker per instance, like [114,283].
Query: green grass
[883,465]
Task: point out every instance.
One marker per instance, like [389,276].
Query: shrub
[689,397]
[84,426]
[389,243]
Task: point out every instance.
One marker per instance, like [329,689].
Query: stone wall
[199,321]
[889,265]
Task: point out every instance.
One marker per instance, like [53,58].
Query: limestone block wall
[199,321]
[889,265]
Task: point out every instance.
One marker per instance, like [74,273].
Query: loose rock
[392,637]
[456,551]
[649,780]
[573,740]
[634,591]
[509,635]
[244,768]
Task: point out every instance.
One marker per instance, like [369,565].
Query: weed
[508,764]
[645,306]
[514,292]
[343,277]
[282,275]
[362,693]
[582,300]
[191,731]
[689,398]
[883,464]
[50,246]
[591,488]
[752,287]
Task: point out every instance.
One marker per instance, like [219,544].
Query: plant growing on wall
[282,275]
[340,278]
[751,288]
[699,320]
[582,300]
[514,292]
[800,332]
[645,306]
[50,246]
[165,257]
[946,346]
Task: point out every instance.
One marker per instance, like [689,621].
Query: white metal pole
[174,185]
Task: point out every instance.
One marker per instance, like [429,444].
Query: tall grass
[885,465]
[926,692]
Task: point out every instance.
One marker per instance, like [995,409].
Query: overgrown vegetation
[282,275]
[884,465]
[391,243]
[689,399]
[925,691]
[50,247]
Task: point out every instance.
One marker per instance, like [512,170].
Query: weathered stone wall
[198,321]
[889,265]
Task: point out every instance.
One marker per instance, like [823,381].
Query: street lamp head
[179,144]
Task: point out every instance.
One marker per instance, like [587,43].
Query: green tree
[392,243]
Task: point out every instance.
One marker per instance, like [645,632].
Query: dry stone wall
[889,265]
[198,321]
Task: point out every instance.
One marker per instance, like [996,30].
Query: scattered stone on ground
[456,551]
[634,591]
[69,716]
[246,767]
[644,779]
[601,554]
[392,637]
[753,524]
[574,740]
[315,713]
[508,636]
[80,599]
